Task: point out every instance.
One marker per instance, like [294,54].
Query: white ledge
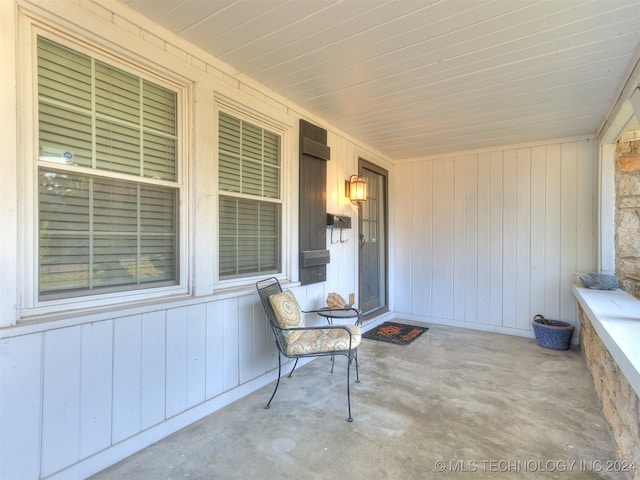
[615,316]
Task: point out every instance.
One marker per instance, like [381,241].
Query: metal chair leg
[357,372]
[294,367]
[277,381]
[350,419]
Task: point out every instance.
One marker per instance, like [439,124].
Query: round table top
[338,313]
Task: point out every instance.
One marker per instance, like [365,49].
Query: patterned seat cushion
[324,340]
[288,313]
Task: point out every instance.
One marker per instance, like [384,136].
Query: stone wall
[627,217]
[620,403]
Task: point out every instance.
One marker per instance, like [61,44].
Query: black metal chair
[295,340]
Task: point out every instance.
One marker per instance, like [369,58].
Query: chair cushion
[288,313]
[325,340]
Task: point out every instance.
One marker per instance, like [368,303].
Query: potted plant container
[553,334]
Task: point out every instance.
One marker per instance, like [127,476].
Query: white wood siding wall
[72,393]
[483,239]
[487,240]
[80,393]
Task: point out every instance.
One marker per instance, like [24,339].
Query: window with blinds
[107,177]
[250,203]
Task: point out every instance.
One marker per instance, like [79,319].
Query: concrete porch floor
[455,403]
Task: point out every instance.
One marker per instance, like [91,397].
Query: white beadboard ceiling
[413,78]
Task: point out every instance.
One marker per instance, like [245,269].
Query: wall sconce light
[355,189]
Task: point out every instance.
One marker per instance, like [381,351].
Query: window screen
[250,206]
[107,178]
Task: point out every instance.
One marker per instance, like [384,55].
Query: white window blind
[113,229]
[250,206]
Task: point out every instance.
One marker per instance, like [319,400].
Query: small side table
[341,313]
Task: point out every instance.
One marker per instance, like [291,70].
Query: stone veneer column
[620,403]
[627,217]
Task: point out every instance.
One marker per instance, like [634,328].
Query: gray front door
[373,242]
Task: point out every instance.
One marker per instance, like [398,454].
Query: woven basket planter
[554,334]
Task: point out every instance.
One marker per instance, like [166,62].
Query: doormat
[397,333]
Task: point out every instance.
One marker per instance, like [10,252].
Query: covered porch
[455,402]
[501,167]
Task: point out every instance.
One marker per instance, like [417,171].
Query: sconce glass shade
[356,189]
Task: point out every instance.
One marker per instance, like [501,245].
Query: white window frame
[282,125]
[30,305]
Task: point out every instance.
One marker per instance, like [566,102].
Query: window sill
[52,321]
[615,316]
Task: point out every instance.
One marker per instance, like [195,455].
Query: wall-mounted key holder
[340,222]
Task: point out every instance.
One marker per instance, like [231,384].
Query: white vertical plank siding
[523,239]
[186,358]
[509,239]
[506,231]
[553,229]
[231,353]
[246,340]
[436,251]
[177,360]
[215,350]
[341,271]
[61,399]
[538,230]
[470,277]
[569,225]
[414,221]
[447,238]
[196,354]
[20,406]
[153,369]
[74,392]
[496,250]
[403,259]
[483,255]
[421,240]
[259,335]
[95,387]
[127,365]
[425,260]
[459,237]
